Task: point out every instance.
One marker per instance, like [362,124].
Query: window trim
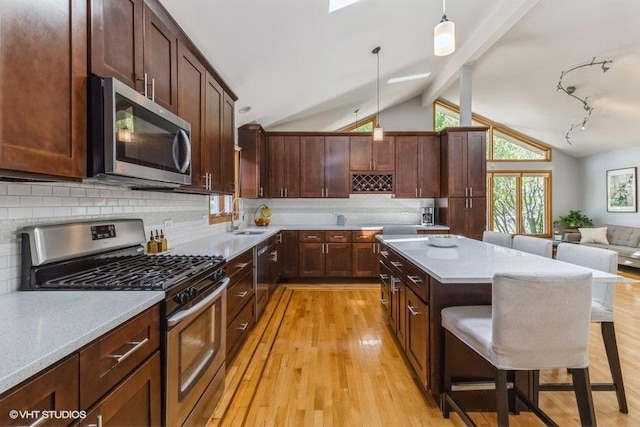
[351,128]
[519,174]
[500,128]
[223,215]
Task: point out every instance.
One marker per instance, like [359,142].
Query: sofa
[622,239]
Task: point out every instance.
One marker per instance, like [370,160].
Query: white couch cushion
[593,235]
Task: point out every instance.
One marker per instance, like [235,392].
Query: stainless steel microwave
[133,141]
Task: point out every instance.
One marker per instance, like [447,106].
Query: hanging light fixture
[378,132]
[444,35]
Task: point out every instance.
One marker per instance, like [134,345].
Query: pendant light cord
[377,53]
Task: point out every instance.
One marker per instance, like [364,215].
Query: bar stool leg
[502,398]
[611,347]
[582,387]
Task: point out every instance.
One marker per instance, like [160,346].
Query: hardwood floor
[322,355]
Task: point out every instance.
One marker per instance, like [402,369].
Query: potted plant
[572,221]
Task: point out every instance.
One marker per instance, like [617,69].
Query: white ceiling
[301,68]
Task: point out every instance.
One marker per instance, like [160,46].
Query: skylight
[408,78]
[339,4]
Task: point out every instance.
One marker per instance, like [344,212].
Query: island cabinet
[404,297]
[283,159]
[115,380]
[324,166]
[417,168]
[253,161]
[43,118]
[365,154]
[324,253]
[241,307]
[138,46]
[463,180]
[364,253]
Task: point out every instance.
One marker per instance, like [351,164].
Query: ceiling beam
[504,16]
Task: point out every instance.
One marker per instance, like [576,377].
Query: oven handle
[182,135]
[181,315]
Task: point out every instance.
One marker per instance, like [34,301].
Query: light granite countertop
[473,261]
[40,328]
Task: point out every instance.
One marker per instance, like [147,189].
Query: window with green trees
[365,125]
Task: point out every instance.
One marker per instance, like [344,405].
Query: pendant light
[378,132]
[444,35]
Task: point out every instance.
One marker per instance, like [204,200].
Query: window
[503,144]
[519,202]
[365,125]
[220,209]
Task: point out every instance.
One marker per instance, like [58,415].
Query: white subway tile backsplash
[41,190]
[61,191]
[62,211]
[19,189]
[70,201]
[4,213]
[3,188]
[106,210]
[43,212]
[26,201]
[52,201]
[78,192]
[93,211]
[15,213]
[10,201]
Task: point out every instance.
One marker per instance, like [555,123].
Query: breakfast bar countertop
[473,261]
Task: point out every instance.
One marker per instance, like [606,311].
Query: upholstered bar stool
[601,312]
[496,238]
[536,321]
[533,245]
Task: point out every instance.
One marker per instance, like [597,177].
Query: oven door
[195,354]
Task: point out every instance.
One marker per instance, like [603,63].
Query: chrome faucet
[240,212]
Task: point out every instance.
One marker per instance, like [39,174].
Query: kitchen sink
[250,232]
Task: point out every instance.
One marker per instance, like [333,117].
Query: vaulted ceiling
[300,68]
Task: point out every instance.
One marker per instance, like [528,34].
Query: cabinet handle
[153,90]
[273,256]
[279,237]
[466,203]
[311,236]
[383,301]
[338,237]
[470,191]
[242,265]
[370,163]
[416,191]
[327,245]
[397,265]
[39,421]
[286,192]
[242,294]
[384,253]
[414,279]
[281,193]
[260,192]
[374,165]
[326,193]
[420,193]
[383,277]
[144,79]
[243,326]
[97,424]
[466,191]
[120,357]
[412,310]
[394,288]
[322,248]
[373,248]
[471,202]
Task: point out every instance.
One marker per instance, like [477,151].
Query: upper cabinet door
[384,154]
[312,166]
[117,40]
[43,74]
[360,153]
[212,140]
[160,54]
[336,175]
[477,163]
[191,97]
[428,166]
[227,152]
[406,185]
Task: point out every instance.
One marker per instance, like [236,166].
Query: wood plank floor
[322,355]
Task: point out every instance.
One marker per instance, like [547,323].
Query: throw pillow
[593,235]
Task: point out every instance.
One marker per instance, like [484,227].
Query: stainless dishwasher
[262,277]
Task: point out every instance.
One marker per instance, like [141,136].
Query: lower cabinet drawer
[56,389]
[418,281]
[135,402]
[238,294]
[239,328]
[107,361]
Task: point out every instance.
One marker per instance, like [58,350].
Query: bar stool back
[496,238]
[533,245]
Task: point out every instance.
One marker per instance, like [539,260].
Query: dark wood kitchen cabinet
[241,307]
[289,254]
[325,253]
[192,84]
[253,161]
[138,46]
[227,152]
[466,216]
[463,162]
[283,154]
[56,389]
[417,336]
[43,123]
[417,166]
[364,253]
[365,154]
[324,166]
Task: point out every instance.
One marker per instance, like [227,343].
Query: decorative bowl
[443,240]
[261,221]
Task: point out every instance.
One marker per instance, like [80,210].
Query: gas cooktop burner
[142,272]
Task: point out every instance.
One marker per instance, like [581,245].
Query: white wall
[27,204]
[593,187]
[408,116]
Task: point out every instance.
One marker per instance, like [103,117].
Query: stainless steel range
[109,255]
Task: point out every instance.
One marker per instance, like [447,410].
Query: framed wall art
[621,190]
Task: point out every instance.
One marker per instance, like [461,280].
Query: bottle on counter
[163,241]
[158,242]
[152,245]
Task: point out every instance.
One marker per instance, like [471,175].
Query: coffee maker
[427,216]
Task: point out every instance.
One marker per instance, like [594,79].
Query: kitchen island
[419,280]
